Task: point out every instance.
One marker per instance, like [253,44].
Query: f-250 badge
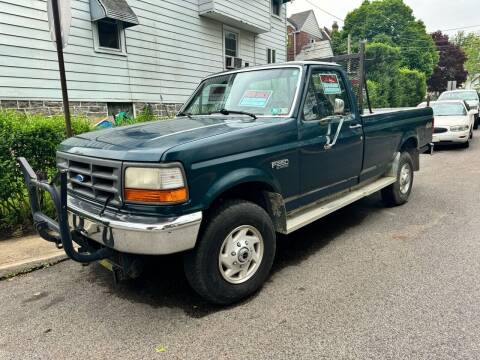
[281,164]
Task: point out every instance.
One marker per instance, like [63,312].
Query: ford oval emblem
[80,178]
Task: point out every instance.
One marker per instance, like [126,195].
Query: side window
[323,89]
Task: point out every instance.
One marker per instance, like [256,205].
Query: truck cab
[254,152]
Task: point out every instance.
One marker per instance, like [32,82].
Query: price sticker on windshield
[330,84]
[256,98]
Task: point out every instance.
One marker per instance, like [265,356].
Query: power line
[325,11]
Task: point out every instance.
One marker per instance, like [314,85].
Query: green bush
[413,87]
[36,138]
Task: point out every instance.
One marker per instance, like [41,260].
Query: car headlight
[459,128]
[156,185]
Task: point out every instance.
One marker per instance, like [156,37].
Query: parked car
[470,96]
[254,152]
[453,122]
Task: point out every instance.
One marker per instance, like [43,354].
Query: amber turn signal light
[157,196]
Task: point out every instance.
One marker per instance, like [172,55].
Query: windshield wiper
[228,112]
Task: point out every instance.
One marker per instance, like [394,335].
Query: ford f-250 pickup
[254,152]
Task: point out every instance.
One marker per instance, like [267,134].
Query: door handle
[356,126]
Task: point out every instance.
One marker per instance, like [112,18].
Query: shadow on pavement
[163,283]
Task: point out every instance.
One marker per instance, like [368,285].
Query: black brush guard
[51,230]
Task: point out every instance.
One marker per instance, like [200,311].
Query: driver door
[331,137]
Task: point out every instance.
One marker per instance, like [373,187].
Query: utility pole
[361,71]
[61,66]
[349,52]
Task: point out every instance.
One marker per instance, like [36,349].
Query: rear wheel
[399,192]
[234,255]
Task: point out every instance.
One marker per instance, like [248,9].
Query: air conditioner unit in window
[237,63]
[233,62]
[229,62]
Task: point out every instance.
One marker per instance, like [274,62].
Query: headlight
[459,128]
[156,185]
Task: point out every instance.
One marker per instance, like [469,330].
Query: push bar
[49,229]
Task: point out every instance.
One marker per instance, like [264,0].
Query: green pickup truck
[254,152]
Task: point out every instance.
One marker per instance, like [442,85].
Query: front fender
[238,177]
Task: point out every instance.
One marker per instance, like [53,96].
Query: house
[306,39]
[122,54]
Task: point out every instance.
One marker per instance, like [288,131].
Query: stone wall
[159,110]
[92,110]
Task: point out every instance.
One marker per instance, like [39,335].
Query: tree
[451,65]
[391,22]
[470,44]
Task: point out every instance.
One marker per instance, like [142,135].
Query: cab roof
[276,66]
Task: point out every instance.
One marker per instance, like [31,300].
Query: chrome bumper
[135,234]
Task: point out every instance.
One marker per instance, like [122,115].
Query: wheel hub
[241,254]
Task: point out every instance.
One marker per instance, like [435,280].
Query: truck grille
[439,130]
[93,178]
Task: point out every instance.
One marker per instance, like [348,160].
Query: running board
[313,213]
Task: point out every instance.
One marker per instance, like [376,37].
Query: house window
[276,7]
[109,36]
[231,43]
[271,56]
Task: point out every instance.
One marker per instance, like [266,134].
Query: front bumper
[78,221]
[134,234]
[450,136]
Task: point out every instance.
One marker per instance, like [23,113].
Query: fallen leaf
[161,349]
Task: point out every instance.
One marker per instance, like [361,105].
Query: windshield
[449,110]
[460,95]
[268,92]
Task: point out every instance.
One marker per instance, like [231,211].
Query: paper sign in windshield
[256,98]
[330,83]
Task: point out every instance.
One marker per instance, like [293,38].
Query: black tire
[392,195]
[202,264]
[465,145]
[475,124]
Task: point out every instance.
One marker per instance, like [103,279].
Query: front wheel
[234,255]
[477,120]
[399,192]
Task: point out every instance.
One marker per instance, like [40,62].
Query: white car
[453,122]
[470,96]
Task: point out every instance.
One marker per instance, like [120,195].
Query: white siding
[311,26]
[247,13]
[171,50]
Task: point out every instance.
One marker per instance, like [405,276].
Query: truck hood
[451,120]
[149,141]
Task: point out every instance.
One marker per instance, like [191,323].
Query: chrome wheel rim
[241,254]
[405,178]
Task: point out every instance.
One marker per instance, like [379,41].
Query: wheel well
[250,191]
[411,145]
[262,194]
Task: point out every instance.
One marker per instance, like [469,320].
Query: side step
[315,212]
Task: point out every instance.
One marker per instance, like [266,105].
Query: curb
[26,266]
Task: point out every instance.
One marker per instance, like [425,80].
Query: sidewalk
[23,254]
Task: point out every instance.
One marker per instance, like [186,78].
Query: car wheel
[471,134]
[234,255]
[475,124]
[465,145]
[399,192]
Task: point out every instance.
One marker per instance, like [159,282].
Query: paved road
[365,283]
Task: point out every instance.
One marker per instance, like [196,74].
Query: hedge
[36,138]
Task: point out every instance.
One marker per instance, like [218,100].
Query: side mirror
[339,107]
[472,112]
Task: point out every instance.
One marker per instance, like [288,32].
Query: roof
[306,21]
[276,65]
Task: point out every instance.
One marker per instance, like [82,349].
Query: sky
[436,14]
